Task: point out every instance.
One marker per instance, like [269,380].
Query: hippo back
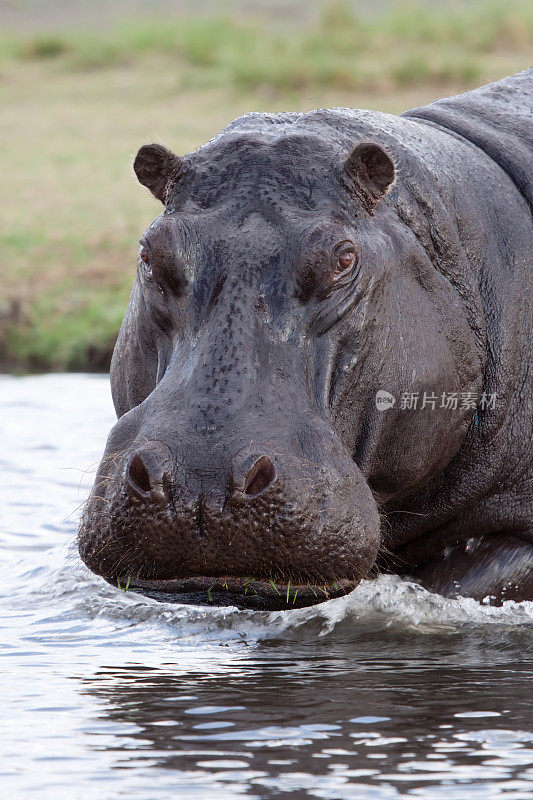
[497,118]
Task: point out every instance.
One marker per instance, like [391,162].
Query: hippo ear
[372,168]
[154,165]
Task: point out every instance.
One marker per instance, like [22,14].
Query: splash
[386,603]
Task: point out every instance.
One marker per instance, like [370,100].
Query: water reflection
[342,725]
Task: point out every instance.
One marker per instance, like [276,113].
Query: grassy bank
[75,105]
[409,43]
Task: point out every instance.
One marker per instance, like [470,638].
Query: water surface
[390,692]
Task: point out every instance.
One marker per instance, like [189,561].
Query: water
[390,692]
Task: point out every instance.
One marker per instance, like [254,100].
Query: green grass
[408,42]
[75,106]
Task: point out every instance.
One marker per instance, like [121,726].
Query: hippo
[322,373]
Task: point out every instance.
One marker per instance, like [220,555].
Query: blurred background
[84,82]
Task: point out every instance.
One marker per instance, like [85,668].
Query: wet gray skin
[302,263]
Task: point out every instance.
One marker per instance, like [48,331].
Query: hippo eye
[344,259]
[144,255]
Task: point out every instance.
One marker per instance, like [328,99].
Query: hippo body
[323,370]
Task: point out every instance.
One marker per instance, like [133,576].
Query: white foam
[387,602]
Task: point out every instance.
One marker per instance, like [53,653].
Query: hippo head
[275,296]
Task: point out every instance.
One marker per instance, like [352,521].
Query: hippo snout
[264,529]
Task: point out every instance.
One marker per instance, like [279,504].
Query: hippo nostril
[260,476]
[138,474]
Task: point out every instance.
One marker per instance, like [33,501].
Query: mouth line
[243,592]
